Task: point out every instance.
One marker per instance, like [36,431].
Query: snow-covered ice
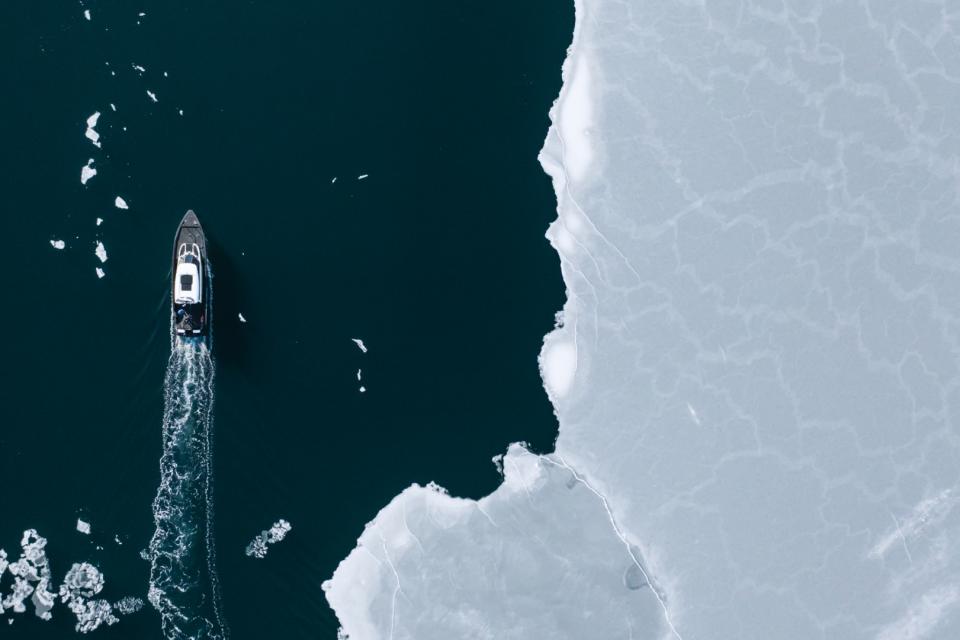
[259,546]
[756,376]
[83,527]
[101,252]
[99,221]
[86,14]
[91,133]
[359,343]
[87,171]
[152,95]
[100,272]
[120,203]
[241,318]
[58,244]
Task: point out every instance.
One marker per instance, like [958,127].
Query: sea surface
[436,260]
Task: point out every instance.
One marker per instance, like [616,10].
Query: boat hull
[191,319]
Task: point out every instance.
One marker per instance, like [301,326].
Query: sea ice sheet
[757,367]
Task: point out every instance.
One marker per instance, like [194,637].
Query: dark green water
[437,261]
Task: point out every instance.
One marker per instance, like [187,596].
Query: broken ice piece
[101,252]
[181,111]
[91,133]
[139,68]
[362,176]
[334,180]
[258,546]
[360,344]
[363,389]
[120,203]
[99,221]
[83,527]
[86,13]
[87,172]
[58,244]
[100,272]
[242,319]
[359,373]
[113,106]
[152,95]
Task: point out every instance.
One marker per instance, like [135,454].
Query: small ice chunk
[117,539]
[363,176]
[99,221]
[152,95]
[180,111]
[360,344]
[139,68]
[86,13]
[83,527]
[165,74]
[128,605]
[359,374]
[101,252]
[334,180]
[100,272]
[141,14]
[113,106]
[57,244]
[87,172]
[242,319]
[363,389]
[258,546]
[91,133]
[120,203]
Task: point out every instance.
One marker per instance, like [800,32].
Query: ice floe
[363,176]
[120,203]
[258,547]
[99,221]
[359,343]
[152,95]
[100,272]
[87,171]
[58,244]
[82,582]
[113,107]
[83,527]
[86,14]
[139,68]
[241,318]
[91,133]
[101,252]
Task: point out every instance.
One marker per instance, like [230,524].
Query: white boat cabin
[188,285]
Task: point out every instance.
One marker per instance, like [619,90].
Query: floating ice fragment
[363,176]
[32,567]
[360,344]
[363,389]
[258,546]
[139,68]
[86,13]
[82,582]
[91,133]
[165,74]
[83,527]
[120,203]
[359,373]
[152,95]
[100,272]
[128,605]
[101,252]
[113,106]
[334,180]
[87,172]
[141,14]
[99,221]
[56,244]
[180,111]
[242,319]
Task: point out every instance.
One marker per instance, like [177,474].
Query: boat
[191,283]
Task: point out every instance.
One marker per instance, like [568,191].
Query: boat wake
[183,579]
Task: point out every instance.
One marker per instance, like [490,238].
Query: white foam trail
[183,580]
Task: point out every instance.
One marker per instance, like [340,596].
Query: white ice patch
[120,203]
[86,14]
[99,221]
[113,107]
[360,344]
[139,69]
[152,95]
[58,244]
[363,176]
[100,272]
[87,172]
[101,252]
[576,118]
[558,364]
[258,547]
[82,582]
[240,316]
[83,527]
[91,133]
